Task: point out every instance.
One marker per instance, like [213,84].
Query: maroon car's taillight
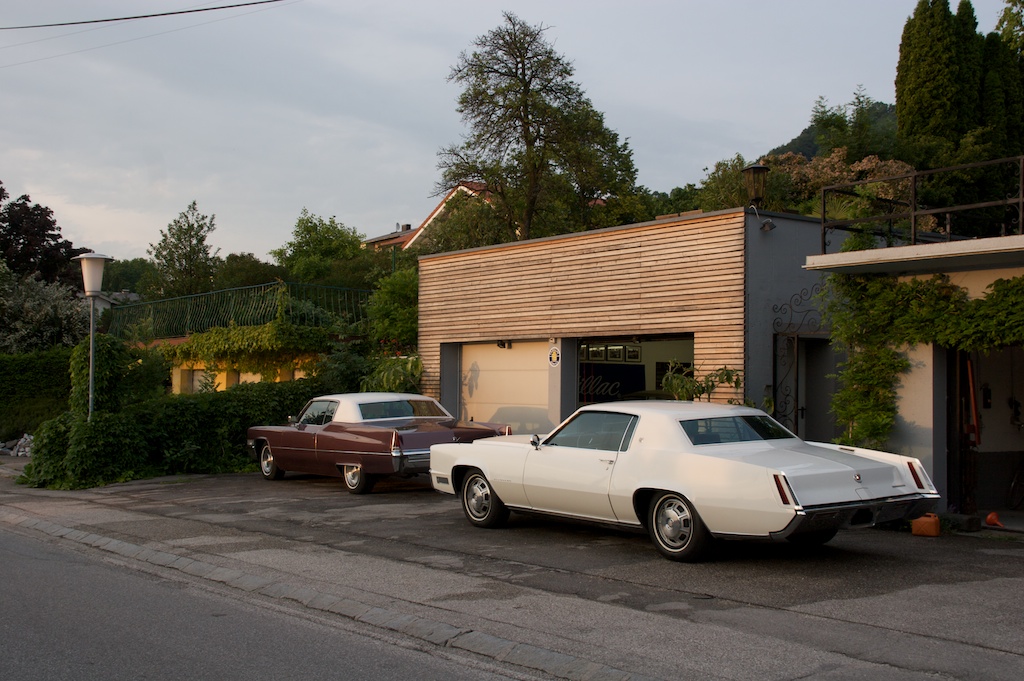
[394,441]
[507,430]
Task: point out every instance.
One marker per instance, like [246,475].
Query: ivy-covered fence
[297,304]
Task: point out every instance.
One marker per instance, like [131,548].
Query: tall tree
[535,141]
[323,252]
[31,242]
[926,83]
[185,263]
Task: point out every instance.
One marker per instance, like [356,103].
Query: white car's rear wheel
[267,466]
[676,529]
[481,505]
[358,481]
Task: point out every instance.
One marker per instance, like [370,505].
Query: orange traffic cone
[993,519]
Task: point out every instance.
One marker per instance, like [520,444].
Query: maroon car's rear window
[397,409]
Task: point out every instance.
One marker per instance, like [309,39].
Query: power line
[141,16]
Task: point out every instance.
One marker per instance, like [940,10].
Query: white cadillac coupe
[687,472]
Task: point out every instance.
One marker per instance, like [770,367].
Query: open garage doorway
[624,368]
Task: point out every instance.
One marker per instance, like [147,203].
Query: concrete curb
[549,662]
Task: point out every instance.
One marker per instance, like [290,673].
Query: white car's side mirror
[535,441]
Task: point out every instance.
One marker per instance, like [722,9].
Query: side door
[297,451]
[570,473]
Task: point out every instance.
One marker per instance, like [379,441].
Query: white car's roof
[674,408]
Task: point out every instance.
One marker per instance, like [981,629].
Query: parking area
[579,588]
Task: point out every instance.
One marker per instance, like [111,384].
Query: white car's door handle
[607,461]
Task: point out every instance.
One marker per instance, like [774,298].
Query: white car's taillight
[785,491]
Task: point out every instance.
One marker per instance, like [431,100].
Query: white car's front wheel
[481,505]
[676,529]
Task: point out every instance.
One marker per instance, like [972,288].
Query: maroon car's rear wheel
[267,466]
[481,505]
[676,529]
[358,481]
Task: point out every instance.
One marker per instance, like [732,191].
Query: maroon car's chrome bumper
[397,463]
[858,514]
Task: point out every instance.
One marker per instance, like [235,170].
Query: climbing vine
[873,317]
[253,349]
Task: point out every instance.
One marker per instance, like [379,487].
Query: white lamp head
[92,271]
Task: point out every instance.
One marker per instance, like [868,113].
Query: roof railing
[918,207]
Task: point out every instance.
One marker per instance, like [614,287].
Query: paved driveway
[574,597]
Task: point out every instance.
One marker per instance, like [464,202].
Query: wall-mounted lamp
[755,179]
[505,344]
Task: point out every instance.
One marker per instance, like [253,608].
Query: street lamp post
[92,278]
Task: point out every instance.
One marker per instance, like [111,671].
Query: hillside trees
[959,96]
[542,151]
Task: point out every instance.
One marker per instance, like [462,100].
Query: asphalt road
[561,599]
[73,616]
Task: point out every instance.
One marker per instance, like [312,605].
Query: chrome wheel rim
[266,461]
[674,523]
[352,476]
[477,497]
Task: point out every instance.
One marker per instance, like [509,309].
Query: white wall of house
[920,429]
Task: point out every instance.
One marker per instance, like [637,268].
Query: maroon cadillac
[362,437]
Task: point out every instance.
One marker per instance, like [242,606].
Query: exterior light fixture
[755,179]
[92,278]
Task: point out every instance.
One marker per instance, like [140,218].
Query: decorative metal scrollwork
[799,315]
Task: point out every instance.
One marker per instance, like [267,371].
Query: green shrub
[49,449]
[394,374]
[170,435]
[34,387]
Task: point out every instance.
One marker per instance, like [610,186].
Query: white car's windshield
[733,429]
[397,409]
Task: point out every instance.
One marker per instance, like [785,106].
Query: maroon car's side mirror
[291,420]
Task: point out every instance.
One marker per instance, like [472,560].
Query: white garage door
[507,385]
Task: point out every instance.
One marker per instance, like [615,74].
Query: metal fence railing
[300,304]
[970,201]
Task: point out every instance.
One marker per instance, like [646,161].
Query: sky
[340,107]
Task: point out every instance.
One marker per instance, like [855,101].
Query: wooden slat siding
[680,276]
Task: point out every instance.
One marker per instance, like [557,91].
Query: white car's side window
[609,431]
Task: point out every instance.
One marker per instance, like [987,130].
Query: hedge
[175,434]
[34,387]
